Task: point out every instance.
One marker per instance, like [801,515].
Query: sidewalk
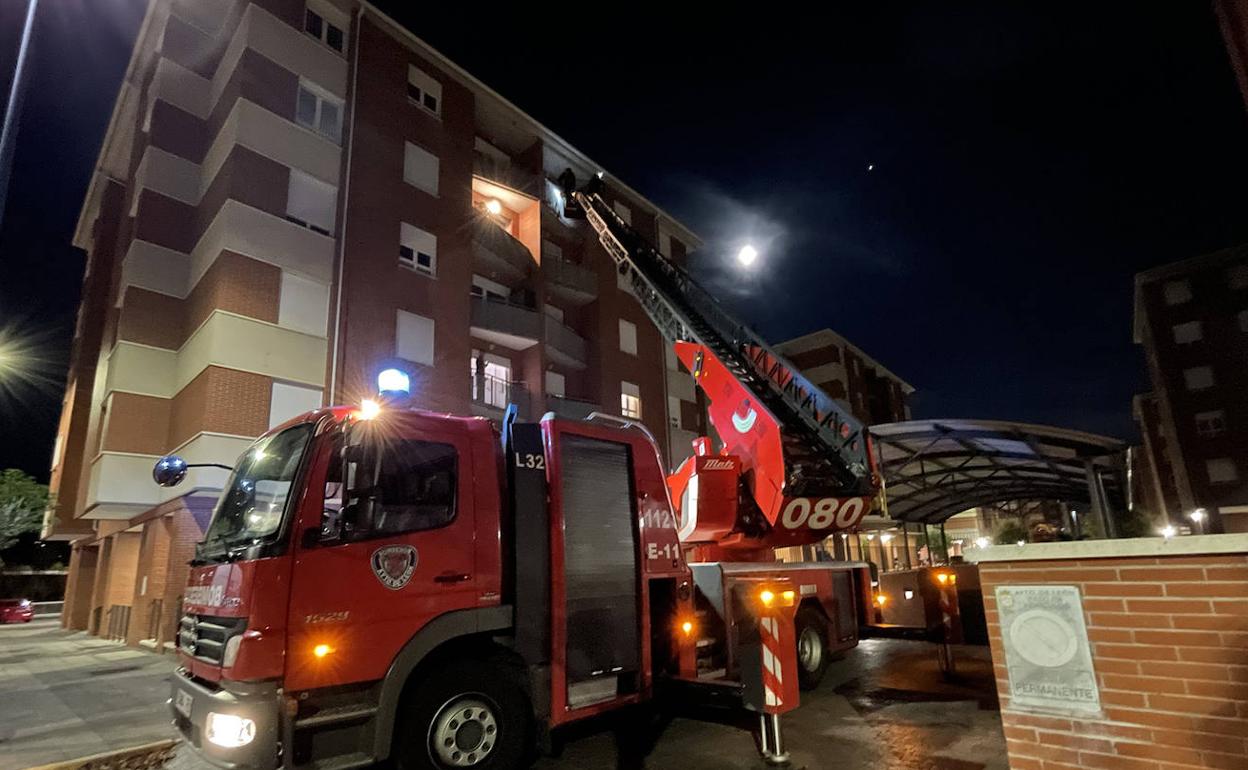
[65,695]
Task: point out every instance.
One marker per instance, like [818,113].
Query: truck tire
[466,714]
[813,657]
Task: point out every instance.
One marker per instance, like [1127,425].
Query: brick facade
[1169,639]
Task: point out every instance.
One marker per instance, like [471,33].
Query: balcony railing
[571,408]
[491,395]
[513,326]
[564,346]
[506,174]
[495,250]
[572,283]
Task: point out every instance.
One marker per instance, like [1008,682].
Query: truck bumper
[254,746]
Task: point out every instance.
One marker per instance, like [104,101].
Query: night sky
[965,194]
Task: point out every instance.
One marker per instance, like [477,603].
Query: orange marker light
[321,650]
[687,627]
[766,597]
[789,597]
[880,599]
[942,577]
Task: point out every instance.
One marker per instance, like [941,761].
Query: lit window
[1210,424]
[628,337]
[420,168]
[1198,377]
[630,400]
[1177,292]
[414,338]
[491,379]
[418,249]
[424,91]
[311,203]
[1187,333]
[1237,277]
[317,110]
[1221,470]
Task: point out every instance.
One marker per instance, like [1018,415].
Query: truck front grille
[204,636]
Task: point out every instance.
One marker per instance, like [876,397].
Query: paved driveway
[884,707]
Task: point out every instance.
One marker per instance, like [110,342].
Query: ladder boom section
[826,450]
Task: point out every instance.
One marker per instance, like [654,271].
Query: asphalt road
[885,707]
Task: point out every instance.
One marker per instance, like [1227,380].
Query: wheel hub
[810,649]
[464,732]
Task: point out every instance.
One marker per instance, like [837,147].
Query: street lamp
[1198,518]
[1168,531]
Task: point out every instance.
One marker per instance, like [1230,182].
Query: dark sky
[1027,162]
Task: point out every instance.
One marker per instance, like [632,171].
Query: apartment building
[291,197]
[857,381]
[1191,317]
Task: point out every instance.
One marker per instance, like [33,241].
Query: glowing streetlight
[747,255]
[1198,516]
[1168,531]
[493,206]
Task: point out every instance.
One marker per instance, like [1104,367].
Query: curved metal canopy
[934,469]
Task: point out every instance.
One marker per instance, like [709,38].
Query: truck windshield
[254,502]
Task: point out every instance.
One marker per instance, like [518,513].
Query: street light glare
[747,255]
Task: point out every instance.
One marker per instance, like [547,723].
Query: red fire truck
[380,582]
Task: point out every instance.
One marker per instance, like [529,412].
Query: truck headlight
[231,650]
[229,730]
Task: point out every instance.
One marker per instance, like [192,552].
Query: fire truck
[380,582]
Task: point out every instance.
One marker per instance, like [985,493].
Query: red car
[16,611]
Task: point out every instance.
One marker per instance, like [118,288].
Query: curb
[146,757]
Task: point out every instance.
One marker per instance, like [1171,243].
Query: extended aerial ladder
[805,464]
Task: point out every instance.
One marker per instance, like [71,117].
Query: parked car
[16,611]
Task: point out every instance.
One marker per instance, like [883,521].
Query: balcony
[564,346]
[491,395]
[497,253]
[570,283]
[512,326]
[502,172]
[571,408]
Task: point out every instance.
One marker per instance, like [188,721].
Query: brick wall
[1169,639]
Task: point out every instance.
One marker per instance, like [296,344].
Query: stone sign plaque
[1047,655]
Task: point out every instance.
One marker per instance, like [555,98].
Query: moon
[747,255]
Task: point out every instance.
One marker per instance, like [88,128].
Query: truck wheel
[812,647]
[466,714]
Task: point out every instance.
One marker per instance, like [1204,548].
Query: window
[486,289]
[323,30]
[420,168]
[628,337]
[303,304]
[1187,333]
[556,384]
[624,211]
[289,401]
[630,400]
[491,379]
[413,338]
[1237,277]
[311,203]
[424,91]
[418,249]
[1210,424]
[1221,470]
[673,411]
[415,487]
[1198,377]
[317,110]
[1177,292]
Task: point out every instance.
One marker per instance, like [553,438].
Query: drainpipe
[346,194]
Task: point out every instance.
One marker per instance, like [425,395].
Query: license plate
[182,702]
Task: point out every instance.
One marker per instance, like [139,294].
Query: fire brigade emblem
[394,564]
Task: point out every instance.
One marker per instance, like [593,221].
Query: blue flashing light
[394,381]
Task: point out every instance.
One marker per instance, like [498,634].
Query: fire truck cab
[387,582]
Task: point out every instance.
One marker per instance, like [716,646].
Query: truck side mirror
[169,471]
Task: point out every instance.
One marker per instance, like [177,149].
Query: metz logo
[205,596]
[717,465]
[394,564]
